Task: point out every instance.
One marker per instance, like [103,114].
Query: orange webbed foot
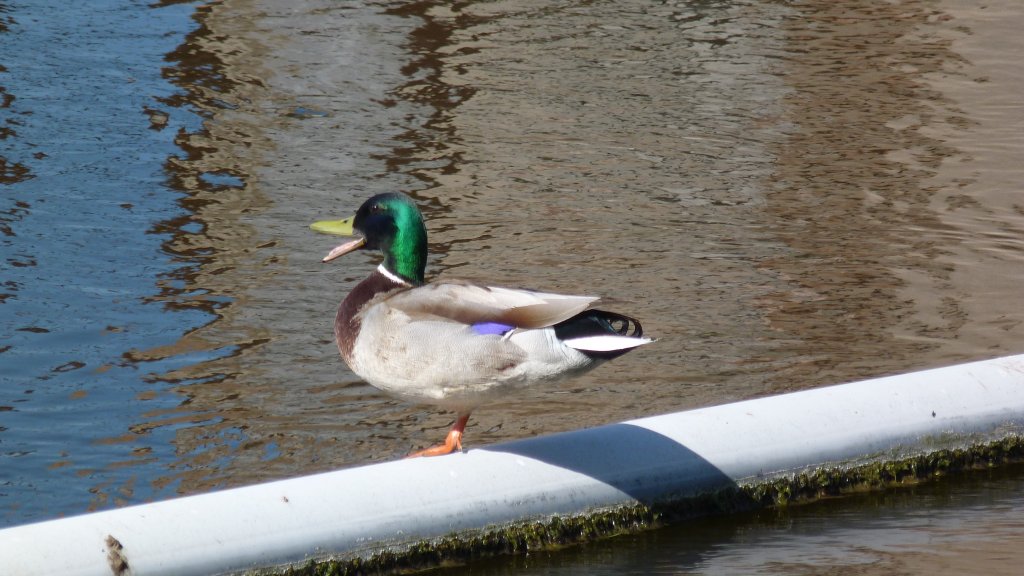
[451,442]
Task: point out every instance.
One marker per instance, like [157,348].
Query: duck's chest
[348,323]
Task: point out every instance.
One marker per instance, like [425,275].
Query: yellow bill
[338,228]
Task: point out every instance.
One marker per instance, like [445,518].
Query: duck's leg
[451,442]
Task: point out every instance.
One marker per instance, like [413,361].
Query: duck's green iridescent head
[390,223]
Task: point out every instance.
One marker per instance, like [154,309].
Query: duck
[455,344]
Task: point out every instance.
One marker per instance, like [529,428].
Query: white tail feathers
[606,343]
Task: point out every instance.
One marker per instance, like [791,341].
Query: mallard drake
[455,344]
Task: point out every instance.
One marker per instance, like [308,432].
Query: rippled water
[88,277]
[787,194]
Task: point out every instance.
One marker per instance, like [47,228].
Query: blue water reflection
[81,253]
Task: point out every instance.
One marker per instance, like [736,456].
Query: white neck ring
[387,274]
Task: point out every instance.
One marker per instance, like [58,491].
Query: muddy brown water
[788,195]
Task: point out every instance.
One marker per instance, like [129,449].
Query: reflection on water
[855,219]
[80,256]
[787,195]
[212,171]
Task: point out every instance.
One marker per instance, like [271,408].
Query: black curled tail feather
[596,323]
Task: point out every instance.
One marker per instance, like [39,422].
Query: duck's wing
[474,304]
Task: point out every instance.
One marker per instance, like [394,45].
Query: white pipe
[365,509]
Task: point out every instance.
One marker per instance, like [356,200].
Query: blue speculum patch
[496,328]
